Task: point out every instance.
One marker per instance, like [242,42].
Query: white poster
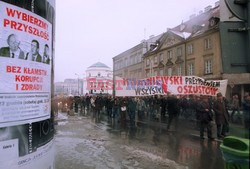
[25,66]
[26,52]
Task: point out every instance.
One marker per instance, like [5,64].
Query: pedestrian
[156,106]
[184,106]
[235,106]
[109,106]
[131,111]
[98,107]
[116,107]
[76,103]
[163,108]
[197,113]
[82,104]
[92,103]
[141,107]
[246,111]
[206,117]
[221,116]
[123,114]
[88,102]
[172,102]
[151,107]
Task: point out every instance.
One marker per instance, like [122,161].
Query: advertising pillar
[27,36]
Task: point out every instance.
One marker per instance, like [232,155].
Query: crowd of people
[168,108]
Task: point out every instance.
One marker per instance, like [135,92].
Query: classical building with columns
[96,78]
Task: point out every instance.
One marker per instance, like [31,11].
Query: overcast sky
[88,31]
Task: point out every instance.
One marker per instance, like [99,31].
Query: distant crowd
[169,108]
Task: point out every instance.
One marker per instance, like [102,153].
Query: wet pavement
[89,142]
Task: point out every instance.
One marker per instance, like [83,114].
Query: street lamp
[84,78]
[77,83]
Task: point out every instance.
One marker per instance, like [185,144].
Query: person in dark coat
[205,112]
[131,111]
[116,107]
[98,106]
[235,106]
[156,106]
[141,107]
[83,104]
[221,116]
[87,102]
[109,106]
[163,107]
[172,102]
[197,113]
[184,106]
[246,111]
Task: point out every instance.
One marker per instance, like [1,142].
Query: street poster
[26,53]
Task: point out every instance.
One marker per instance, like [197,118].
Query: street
[83,141]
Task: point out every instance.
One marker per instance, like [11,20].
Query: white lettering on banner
[177,85]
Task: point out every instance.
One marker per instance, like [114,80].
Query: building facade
[69,87]
[213,45]
[128,64]
[191,48]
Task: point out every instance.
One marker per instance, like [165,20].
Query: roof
[98,65]
[201,22]
[140,46]
[192,28]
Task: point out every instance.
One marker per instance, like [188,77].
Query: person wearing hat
[221,116]
[205,112]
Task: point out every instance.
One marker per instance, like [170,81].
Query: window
[190,49]
[169,71]
[170,54]
[179,51]
[179,71]
[161,57]
[138,58]
[161,72]
[89,74]
[155,72]
[147,62]
[131,60]
[155,59]
[126,62]
[190,69]
[99,74]
[208,66]
[208,43]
